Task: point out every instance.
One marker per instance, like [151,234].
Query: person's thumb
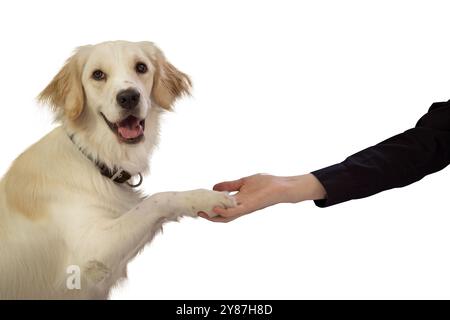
[229,185]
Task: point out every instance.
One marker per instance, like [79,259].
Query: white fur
[80,217]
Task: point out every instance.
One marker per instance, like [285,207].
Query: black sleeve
[395,162]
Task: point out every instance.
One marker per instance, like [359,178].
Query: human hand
[261,190]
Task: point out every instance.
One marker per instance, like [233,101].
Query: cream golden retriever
[71,216]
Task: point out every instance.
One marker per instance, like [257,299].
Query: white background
[283,87]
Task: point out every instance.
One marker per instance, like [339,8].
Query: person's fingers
[203,215]
[229,212]
[234,185]
[221,219]
[215,219]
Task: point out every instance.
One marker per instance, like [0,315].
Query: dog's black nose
[128,99]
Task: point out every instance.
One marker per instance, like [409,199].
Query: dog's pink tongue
[130,128]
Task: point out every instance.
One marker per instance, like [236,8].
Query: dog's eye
[141,67]
[98,75]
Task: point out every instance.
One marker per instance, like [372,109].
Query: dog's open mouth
[128,130]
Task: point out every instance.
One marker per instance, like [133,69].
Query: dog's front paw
[203,200]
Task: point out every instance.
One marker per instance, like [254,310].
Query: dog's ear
[169,83]
[65,93]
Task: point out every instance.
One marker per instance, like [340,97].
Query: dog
[71,213]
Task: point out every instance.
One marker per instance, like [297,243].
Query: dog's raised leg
[111,243]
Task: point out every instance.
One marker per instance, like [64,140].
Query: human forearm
[395,162]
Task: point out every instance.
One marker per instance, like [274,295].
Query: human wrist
[303,187]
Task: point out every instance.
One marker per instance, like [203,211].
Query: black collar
[116,175]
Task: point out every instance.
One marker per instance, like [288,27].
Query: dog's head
[107,92]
